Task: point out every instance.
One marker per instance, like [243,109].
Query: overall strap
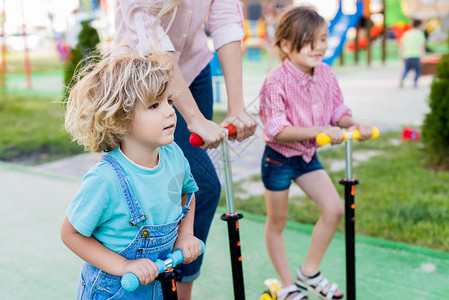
[134,207]
[186,208]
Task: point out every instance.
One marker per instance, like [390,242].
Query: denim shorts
[278,171]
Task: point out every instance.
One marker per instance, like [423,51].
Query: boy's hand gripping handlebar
[196,141]
[323,139]
[130,282]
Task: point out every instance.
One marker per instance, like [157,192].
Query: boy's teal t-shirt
[413,42]
[99,208]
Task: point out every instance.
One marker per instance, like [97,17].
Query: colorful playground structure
[350,32]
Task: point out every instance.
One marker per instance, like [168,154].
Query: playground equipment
[217,77]
[349,184]
[363,42]
[130,282]
[231,217]
[338,28]
[392,17]
[254,39]
[3,47]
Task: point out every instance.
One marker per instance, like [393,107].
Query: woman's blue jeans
[202,169]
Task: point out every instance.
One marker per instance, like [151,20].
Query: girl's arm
[230,56]
[186,241]
[93,252]
[296,134]
[365,130]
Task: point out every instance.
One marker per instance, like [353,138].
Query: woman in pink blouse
[144,26]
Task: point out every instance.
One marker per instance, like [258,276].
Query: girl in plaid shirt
[298,100]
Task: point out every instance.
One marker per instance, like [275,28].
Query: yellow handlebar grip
[323,139]
[355,134]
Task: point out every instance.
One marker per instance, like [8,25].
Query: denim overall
[152,242]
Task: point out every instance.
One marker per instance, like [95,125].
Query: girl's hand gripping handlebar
[323,139]
[196,141]
[130,282]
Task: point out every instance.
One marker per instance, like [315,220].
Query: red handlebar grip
[196,141]
[231,129]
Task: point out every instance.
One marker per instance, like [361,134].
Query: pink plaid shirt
[186,36]
[291,97]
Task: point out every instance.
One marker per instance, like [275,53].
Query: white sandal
[317,284]
[290,290]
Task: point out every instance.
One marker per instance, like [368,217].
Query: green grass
[33,129]
[398,197]
[15,62]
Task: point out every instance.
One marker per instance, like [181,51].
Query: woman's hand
[244,123]
[211,133]
[143,268]
[190,247]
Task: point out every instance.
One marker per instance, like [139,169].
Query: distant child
[298,100]
[412,49]
[128,210]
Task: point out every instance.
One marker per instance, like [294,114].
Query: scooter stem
[229,187]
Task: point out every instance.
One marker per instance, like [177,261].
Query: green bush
[88,39]
[435,130]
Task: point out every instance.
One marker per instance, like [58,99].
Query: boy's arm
[186,241]
[94,253]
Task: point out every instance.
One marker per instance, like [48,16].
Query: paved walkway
[34,263]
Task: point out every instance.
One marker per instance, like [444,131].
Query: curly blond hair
[102,102]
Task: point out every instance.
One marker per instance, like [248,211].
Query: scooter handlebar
[323,139]
[196,141]
[131,282]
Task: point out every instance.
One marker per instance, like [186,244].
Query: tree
[88,39]
[435,130]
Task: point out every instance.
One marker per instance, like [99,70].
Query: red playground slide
[363,41]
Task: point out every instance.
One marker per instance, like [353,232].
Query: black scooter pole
[349,185]
[232,218]
[168,285]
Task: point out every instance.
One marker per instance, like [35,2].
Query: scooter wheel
[267,296]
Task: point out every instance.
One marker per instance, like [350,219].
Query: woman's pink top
[186,36]
[291,97]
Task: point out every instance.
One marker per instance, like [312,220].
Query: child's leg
[319,187]
[276,203]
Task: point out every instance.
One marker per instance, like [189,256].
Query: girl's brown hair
[102,103]
[300,26]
